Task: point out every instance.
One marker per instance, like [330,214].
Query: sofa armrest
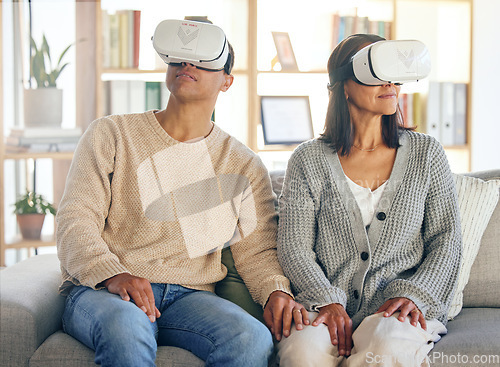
[30,307]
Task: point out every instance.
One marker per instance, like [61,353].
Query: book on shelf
[447,125]
[121,39]
[433,114]
[460,117]
[134,96]
[446,112]
[346,25]
[406,108]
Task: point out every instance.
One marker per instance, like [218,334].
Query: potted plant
[30,210]
[43,105]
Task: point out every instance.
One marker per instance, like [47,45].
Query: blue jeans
[212,328]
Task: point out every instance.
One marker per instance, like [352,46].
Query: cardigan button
[364,256]
[381,216]
[356,294]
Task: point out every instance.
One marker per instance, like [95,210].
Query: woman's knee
[308,347]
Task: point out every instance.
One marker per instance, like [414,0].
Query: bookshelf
[255,50]
[248,25]
[16,242]
[447,33]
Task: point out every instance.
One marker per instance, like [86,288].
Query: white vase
[43,107]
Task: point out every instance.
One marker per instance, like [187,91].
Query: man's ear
[228,81]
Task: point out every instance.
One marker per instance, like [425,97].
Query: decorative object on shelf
[286,120]
[42,139]
[43,105]
[30,210]
[285,56]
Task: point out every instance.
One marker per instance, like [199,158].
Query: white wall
[485,86]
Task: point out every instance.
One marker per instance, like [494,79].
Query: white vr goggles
[202,44]
[386,62]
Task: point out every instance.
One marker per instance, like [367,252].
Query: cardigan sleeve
[431,287]
[296,240]
[85,257]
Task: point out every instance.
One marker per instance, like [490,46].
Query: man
[150,201]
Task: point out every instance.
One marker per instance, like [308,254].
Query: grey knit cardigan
[412,248]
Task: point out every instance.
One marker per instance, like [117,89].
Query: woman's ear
[346,95]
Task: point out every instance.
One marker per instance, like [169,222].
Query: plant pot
[43,107]
[30,225]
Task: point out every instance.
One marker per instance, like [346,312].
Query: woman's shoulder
[308,148]
[422,140]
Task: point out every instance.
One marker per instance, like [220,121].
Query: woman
[369,231]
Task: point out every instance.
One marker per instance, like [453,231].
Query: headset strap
[343,73]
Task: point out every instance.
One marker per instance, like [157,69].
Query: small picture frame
[286,120]
[286,57]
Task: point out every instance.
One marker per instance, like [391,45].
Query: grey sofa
[31,309]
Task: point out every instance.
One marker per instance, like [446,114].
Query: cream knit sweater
[138,201]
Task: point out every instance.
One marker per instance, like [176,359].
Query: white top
[367,199]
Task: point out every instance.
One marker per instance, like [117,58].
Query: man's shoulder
[233,145]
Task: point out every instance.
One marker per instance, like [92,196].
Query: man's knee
[253,337]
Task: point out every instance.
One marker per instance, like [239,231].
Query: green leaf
[39,71]
[45,49]
[33,203]
[62,55]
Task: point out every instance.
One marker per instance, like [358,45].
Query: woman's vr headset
[384,62]
[202,44]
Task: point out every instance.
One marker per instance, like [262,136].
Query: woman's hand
[406,308]
[339,325]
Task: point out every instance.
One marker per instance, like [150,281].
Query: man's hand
[339,325]
[406,308]
[279,313]
[128,286]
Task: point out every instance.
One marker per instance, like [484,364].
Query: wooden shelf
[293,72]
[18,243]
[456,147]
[47,155]
[134,71]
[150,71]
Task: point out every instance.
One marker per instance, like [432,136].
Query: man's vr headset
[384,62]
[202,44]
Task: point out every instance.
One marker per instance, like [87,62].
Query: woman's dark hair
[338,128]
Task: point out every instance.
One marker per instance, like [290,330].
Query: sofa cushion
[234,289]
[472,340]
[277,178]
[484,281]
[31,307]
[61,350]
[477,200]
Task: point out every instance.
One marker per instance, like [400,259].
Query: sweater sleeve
[255,254]
[297,238]
[84,255]
[431,287]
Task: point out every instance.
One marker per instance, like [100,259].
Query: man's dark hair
[228,67]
